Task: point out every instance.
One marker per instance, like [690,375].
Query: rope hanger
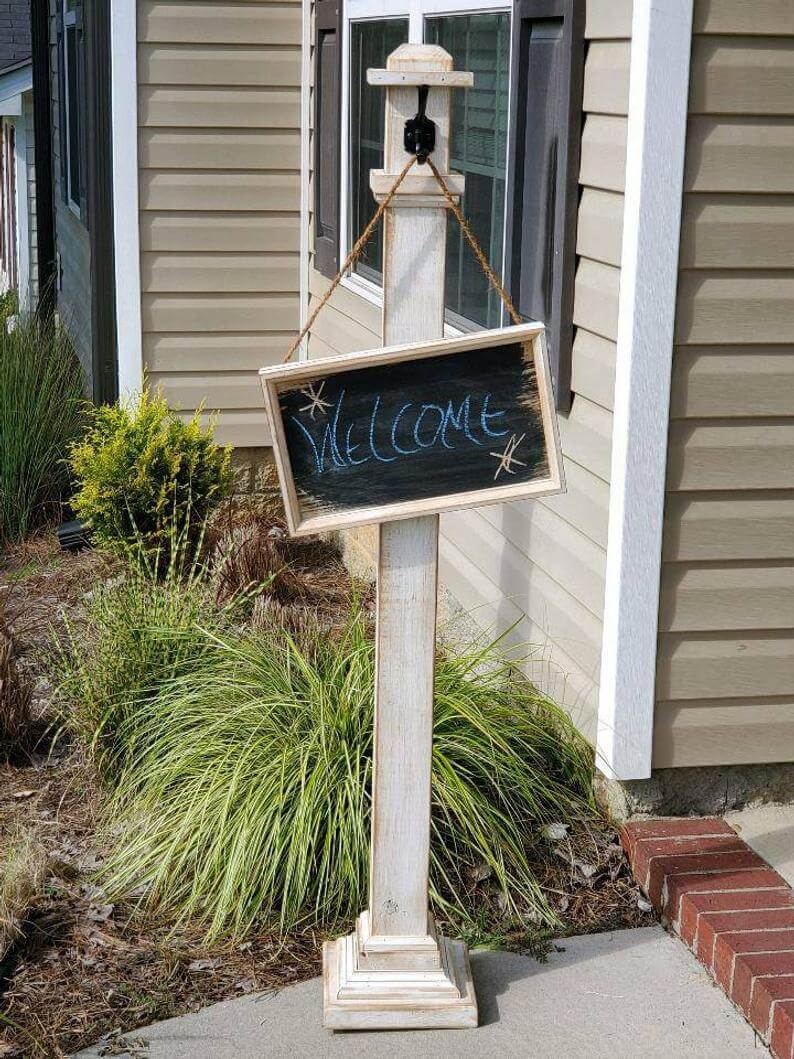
[366,235]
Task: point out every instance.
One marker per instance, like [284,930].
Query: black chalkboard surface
[409,430]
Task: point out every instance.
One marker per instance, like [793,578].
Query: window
[71,89]
[478,40]
[8,206]
[370,44]
[480,43]
[515,136]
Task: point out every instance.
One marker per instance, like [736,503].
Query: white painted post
[413,311]
[395,971]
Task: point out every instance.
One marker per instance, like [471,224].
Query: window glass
[370,45]
[479,43]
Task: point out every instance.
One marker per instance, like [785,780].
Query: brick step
[734,912]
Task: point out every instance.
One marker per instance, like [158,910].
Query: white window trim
[415,11]
[69,19]
[126,233]
[658,96]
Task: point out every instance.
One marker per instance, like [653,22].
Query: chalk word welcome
[387,435]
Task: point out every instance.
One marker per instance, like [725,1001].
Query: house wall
[72,247]
[541,563]
[219,164]
[725,681]
[30,152]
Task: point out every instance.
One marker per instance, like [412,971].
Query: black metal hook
[420,132]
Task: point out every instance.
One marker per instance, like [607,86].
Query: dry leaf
[203,965]
[99,913]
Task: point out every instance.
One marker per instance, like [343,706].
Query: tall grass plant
[41,414]
[140,630]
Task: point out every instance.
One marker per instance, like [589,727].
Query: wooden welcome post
[393,437]
[395,971]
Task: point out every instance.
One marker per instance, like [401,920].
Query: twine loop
[366,235]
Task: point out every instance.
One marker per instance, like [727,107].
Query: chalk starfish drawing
[507,458]
[316,402]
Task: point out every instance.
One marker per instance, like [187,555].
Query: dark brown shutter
[327,134]
[62,116]
[546,126]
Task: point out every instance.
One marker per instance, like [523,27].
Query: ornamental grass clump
[41,414]
[147,477]
[18,729]
[246,796]
[24,867]
[140,629]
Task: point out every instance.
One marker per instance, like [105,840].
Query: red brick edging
[730,908]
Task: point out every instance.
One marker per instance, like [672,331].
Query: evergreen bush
[147,478]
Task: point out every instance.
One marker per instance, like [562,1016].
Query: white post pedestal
[395,971]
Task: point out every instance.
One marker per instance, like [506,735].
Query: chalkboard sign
[409,430]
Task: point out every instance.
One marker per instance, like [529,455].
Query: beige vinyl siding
[219,158]
[541,564]
[725,684]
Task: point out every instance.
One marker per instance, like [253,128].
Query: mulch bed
[86,969]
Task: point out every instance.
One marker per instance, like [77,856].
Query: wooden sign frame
[279,378]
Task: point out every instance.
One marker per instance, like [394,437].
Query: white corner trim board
[305,163]
[658,94]
[124,89]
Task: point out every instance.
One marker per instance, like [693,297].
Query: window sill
[365,289]
[373,294]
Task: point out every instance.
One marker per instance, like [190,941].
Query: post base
[356,997]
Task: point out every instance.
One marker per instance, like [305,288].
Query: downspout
[42,106]
[99,142]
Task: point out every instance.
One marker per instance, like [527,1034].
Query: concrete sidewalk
[769,829]
[631,994]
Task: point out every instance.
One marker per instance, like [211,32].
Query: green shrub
[9,306]
[41,414]
[247,793]
[145,475]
